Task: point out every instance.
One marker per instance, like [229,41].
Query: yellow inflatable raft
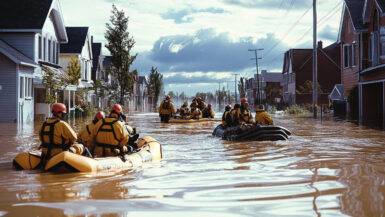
[150,150]
[176,120]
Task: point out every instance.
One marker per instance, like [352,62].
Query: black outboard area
[252,133]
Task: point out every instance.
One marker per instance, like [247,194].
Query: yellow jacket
[208,113]
[195,113]
[261,117]
[107,135]
[201,105]
[243,116]
[184,112]
[226,118]
[57,135]
[166,107]
[86,133]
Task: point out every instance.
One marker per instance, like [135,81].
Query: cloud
[184,16]
[328,33]
[270,4]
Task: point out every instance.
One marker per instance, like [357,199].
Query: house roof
[76,40]
[297,57]
[23,14]
[96,52]
[16,56]
[355,9]
[381,4]
[142,80]
[337,92]
[107,62]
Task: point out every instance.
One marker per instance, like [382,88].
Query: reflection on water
[326,169]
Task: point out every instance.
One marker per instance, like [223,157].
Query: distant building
[30,36]
[362,38]
[298,71]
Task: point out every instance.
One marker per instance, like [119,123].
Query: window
[21,87]
[39,46]
[86,70]
[28,87]
[44,49]
[353,59]
[57,53]
[54,51]
[370,49]
[49,51]
[347,54]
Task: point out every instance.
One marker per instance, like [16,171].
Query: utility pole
[315,86]
[256,65]
[235,87]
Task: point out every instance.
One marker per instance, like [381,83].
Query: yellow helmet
[185,103]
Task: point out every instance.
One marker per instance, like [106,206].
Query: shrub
[296,110]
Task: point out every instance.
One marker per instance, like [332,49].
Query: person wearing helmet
[85,133]
[233,112]
[184,111]
[243,115]
[56,135]
[226,117]
[201,104]
[208,112]
[196,113]
[166,109]
[262,117]
[109,136]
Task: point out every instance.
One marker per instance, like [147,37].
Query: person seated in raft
[226,117]
[196,113]
[184,111]
[233,112]
[208,112]
[201,104]
[86,131]
[133,136]
[243,115]
[56,135]
[109,136]
[262,117]
[166,110]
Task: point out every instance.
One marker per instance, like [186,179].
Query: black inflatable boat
[252,133]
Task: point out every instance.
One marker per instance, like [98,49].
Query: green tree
[73,71]
[242,88]
[171,94]
[272,93]
[119,43]
[53,83]
[307,88]
[155,84]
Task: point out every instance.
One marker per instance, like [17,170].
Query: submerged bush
[296,110]
[272,109]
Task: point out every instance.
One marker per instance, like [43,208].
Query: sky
[198,45]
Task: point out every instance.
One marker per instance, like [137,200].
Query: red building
[298,70]
[362,38]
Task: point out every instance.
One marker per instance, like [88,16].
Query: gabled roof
[96,52]
[337,92]
[76,40]
[295,58]
[23,14]
[381,4]
[142,80]
[355,9]
[16,56]
[107,62]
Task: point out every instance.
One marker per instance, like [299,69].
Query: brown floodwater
[326,168]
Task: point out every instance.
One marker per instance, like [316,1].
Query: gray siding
[8,93]
[23,42]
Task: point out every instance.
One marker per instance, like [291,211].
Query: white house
[78,47]
[30,36]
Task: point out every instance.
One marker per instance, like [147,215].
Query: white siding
[23,42]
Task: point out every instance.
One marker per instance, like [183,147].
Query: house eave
[21,30]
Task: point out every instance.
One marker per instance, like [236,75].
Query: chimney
[320,44]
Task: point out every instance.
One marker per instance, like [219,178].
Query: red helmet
[228,106]
[244,100]
[99,115]
[199,99]
[59,107]
[209,105]
[167,97]
[117,108]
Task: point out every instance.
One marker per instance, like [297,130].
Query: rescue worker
[262,117]
[243,115]
[196,113]
[226,117]
[132,135]
[109,136]
[233,113]
[208,112]
[201,104]
[86,132]
[56,135]
[184,111]
[166,110]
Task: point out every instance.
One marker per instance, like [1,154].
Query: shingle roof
[15,55]
[355,8]
[96,52]
[107,62]
[23,14]
[337,92]
[76,39]
[381,3]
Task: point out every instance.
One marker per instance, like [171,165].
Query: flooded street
[325,169]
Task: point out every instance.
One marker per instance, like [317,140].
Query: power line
[235,86]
